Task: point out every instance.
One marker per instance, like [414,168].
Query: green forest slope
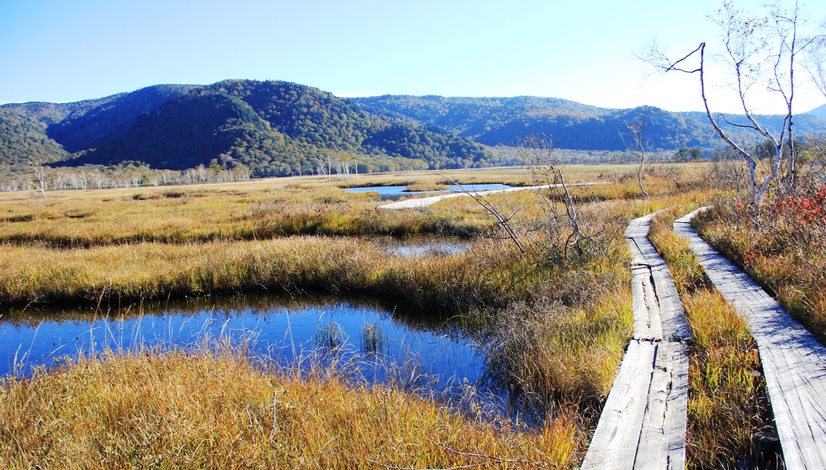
[278,128]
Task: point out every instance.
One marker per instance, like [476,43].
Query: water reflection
[285,332]
[396,192]
[377,343]
[410,349]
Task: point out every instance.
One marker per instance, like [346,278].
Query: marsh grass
[217,215]
[148,271]
[557,325]
[265,209]
[428,186]
[373,340]
[562,353]
[728,404]
[212,408]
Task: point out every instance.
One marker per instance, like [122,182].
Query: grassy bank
[727,404]
[213,409]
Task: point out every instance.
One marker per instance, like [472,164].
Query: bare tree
[40,174]
[636,130]
[755,47]
[815,60]
[563,233]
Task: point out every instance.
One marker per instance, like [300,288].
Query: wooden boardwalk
[794,364]
[643,423]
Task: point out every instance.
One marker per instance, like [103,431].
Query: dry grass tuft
[172,409]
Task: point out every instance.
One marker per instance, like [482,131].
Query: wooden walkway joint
[643,422]
[794,363]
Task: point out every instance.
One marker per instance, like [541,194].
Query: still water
[378,344]
[394,192]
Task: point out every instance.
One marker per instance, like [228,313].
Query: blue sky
[54,50]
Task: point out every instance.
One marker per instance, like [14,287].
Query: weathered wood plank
[675,326]
[647,319]
[664,426]
[794,363]
[615,440]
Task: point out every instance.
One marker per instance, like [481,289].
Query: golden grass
[564,353]
[270,208]
[213,409]
[190,215]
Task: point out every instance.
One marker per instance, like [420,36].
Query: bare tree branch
[636,130]
[756,47]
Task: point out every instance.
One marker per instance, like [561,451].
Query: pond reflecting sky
[378,339]
[392,192]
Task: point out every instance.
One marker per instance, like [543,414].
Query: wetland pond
[395,192]
[377,344]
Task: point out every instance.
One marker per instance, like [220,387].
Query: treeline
[37,177]
[45,179]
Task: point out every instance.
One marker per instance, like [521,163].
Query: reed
[211,408]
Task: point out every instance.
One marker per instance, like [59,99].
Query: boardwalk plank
[664,426]
[643,423]
[615,441]
[647,319]
[675,325]
[794,363]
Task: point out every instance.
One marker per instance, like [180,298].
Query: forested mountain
[280,128]
[50,132]
[503,121]
[272,128]
[90,127]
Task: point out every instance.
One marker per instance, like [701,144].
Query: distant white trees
[42,178]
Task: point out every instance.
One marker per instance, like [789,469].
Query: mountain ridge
[274,128]
[278,128]
[572,125]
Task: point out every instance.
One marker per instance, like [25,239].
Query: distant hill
[503,121]
[273,128]
[278,128]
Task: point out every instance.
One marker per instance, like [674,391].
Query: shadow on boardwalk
[794,363]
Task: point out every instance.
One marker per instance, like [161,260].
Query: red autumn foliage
[807,209]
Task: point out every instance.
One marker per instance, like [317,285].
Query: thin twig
[19,447]
[393,467]
[485,456]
